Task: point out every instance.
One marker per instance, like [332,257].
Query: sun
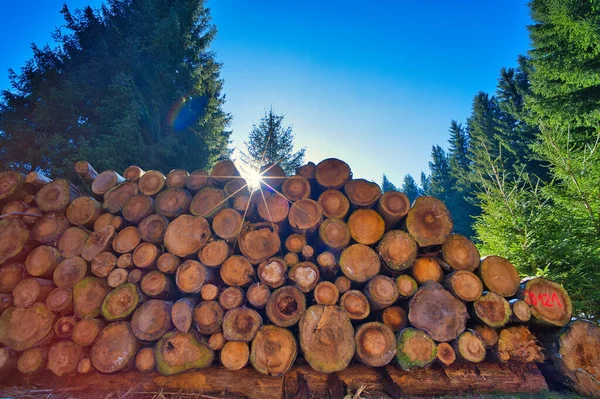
[253,178]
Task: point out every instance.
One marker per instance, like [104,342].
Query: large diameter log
[55,196]
[274,350]
[152,229]
[398,250]
[186,235]
[470,347]
[326,338]
[356,305]
[208,316]
[258,295]
[32,360]
[227,224]
[334,234]
[190,276]
[137,208]
[415,348]
[121,302]
[285,306]
[63,357]
[393,206]
[359,263]
[381,292]
[10,275]
[460,253]
[158,285]
[518,344]
[177,351]
[197,180]
[116,197]
[214,253]
[437,312]
[296,188]
[115,348]
[464,285]
[85,170]
[152,320]
[492,309]
[22,328]
[305,215]
[549,302]
[72,242]
[362,193]
[98,241]
[86,331]
[151,182]
[69,272]
[334,204]
[429,221]
[105,181]
[31,290]
[237,271]
[234,355]
[144,360]
[304,275]
[375,344]
[208,202]
[49,228]
[60,300]
[241,324]
[366,226]
[13,237]
[332,173]
[182,313]
[133,173]
[88,296]
[394,317]
[172,202]
[499,275]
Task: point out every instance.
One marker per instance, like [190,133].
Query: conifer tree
[387,185]
[410,188]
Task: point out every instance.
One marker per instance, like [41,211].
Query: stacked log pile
[185,270]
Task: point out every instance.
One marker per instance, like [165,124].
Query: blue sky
[374,84]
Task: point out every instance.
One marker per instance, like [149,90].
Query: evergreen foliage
[410,188]
[387,185]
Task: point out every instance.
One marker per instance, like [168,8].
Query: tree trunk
[334,235]
[237,271]
[415,348]
[63,327]
[126,240]
[98,241]
[285,306]
[31,290]
[305,276]
[208,316]
[144,360]
[241,324]
[395,318]
[20,336]
[460,253]
[492,309]
[137,208]
[88,296]
[152,229]
[115,348]
[56,196]
[296,188]
[176,352]
[117,197]
[446,354]
[305,216]
[258,295]
[470,347]
[208,202]
[152,320]
[274,350]
[366,226]
[393,206]
[182,313]
[168,263]
[49,228]
[197,180]
[359,263]
[117,277]
[326,338]
[398,250]
[172,202]
[145,255]
[120,303]
[429,221]
[151,183]
[343,284]
[550,304]
[362,193]
[60,300]
[72,242]
[32,360]
[375,344]
[214,253]
[86,171]
[464,285]
[133,173]
[332,173]
[103,264]
[13,237]
[499,275]
[437,312]
[356,304]
[186,235]
[105,181]
[86,331]
[381,291]
[227,224]
[63,357]
[326,293]
[10,275]
[69,272]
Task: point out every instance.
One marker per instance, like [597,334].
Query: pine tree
[425,184]
[272,142]
[387,185]
[410,188]
[130,83]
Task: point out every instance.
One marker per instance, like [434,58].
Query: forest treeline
[522,175]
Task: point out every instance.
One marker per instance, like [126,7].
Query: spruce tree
[272,142]
[387,185]
[410,188]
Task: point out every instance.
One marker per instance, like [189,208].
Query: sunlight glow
[253,178]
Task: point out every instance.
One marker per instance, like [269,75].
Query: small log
[429,221]
[274,350]
[236,187]
[151,182]
[308,253]
[492,309]
[19,336]
[304,275]
[197,180]
[98,241]
[145,255]
[343,284]
[285,306]
[117,277]
[214,253]
[398,250]
[295,242]
[366,226]
[60,300]
[104,219]
[334,204]
[186,235]
[32,360]
[488,334]
[126,240]
[395,318]
[326,293]
[152,320]
[356,304]
[296,188]
[227,224]
[381,291]
[415,348]
[209,292]
[362,193]
[152,229]
[103,264]
[49,228]
[137,208]
[172,202]
[231,297]
[120,303]
[305,216]
[69,272]
[427,269]
[208,202]
[237,271]
[72,242]
[88,296]
[521,312]
[499,275]
[258,295]
[168,263]
[375,344]
[291,258]
[85,170]
[105,181]
[241,324]
[359,263]
[334,234]
[14,235]
[182,313]
[144,360]
[135,276]
[518,344]
[445,354]
[177,351]
[216,341]
[86,331]
[115,348]
[208,316]
[470,347]
[133,173]
[464,285]
[223,171]
[437,312]
[460,253]
[118,223]
[393,206]
[156,284]
[10,275]
[125,261]
[176,178]
[63,327]
[63,357]
[13,186]
[326,338]
[190,276]
[549,302]
[55,196]
[332,173]
[84,366]
[117,197]
[235,355]
[31,290]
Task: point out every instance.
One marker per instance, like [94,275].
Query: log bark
[214,253]
[69,272]
[86,331]
[98,241]
[208,202]
[326,293]
[152,320]
[49,228]
[133,173]
[334,235]
[332,173]
[274,209]
[359,263]
[56,196]
[88,296]
[13,237]
[72,242]
[464,285]
[176,352]
[366,226]
[398,250]
[31,290]
[10,275]
[227,224]
[296,188]
[470,347]
[241,324]
[326,338]
[499,275]
[415,348]
[285,306]
[63,357]
[126,240]
[343,284]
[429,221]
[334,204]
[137,208]
[86,171]
[182,313]
[105,181]
[60,300]
[197,180]
[186,235]
[145,255]
[120,303]
[168,263]
[362,193]
[152,229]
[304,275]
[32,360]
[117,277]
[151,183]
[375,344]
[395,318]
[393,206]
[103,264]
[427,269]
[22,328]
[550,304]
[115,348]
[356,304]
[144,360]
[156,284]
[492,309]
[172,202]
[63,327]
[295,242]
[437,312]
[231,297]
[209,292]
[237,271]
[460,253]
[274,350]
[208,316]
[223,171]
[117,197]
[381,291]
[258,295]
[518,344]
[445,354]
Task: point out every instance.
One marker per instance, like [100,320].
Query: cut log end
[429,221]
[115,348]
[366,226]
[235,355]
[326,293]
[445,353]
[415,348]
[375,344]
[258,295]
[460,253]
[356,304]
[549,302]
[394,317]
[176,352]
[492,309]
[398,250]
[393,206]
[274,350]
[63,357]
[285,306]
[471,347]
[499,275]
